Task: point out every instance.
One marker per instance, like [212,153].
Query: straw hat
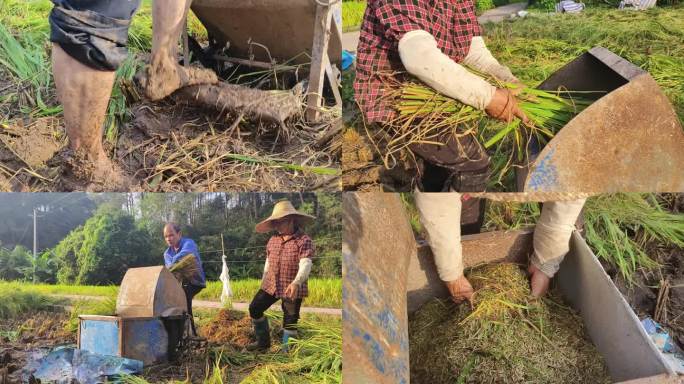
[280,210]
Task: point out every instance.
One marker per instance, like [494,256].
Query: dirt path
[240,306]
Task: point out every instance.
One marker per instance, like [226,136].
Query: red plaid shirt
[451,22]
[283,263]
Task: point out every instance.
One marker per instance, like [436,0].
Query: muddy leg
[164,75]
[84,93]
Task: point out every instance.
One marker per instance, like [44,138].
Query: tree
[102,249]
[14,263]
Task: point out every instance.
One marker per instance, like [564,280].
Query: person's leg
[260,303]
[84,93]
[552,241]
[290,317]
[89,43]
[190,292]
[164,75]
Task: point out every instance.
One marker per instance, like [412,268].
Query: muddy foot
[162,77]
[80,173]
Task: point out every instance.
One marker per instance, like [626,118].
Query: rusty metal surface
[150,292]
[628,141]
[378,243]
[285,27]
[423,281]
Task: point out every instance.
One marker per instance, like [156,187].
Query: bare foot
[93,173]
[107,175]
[163,76]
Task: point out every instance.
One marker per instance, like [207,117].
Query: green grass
[537,46]
[352,15]
[61,289]
[105,307]
[618,228]
[16,301]
[323,292]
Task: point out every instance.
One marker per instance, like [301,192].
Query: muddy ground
[227,333]
[643,294]
[29,332]
[196,139]
[665,286]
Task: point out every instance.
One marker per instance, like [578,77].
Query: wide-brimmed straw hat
[280,210]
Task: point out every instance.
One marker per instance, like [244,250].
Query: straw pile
[507,337]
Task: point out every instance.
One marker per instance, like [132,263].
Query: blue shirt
[186,247]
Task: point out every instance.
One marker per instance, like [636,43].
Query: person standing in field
[179,248]
[288,263]
[440,214]
[89,42]
[430,39]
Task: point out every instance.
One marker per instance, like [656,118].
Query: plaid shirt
[283,263]
[451,22]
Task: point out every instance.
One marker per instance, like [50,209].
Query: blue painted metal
[374,314]
[145,339]
[545,176]
[100,336]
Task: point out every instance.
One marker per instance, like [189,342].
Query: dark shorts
[460,164]
[263,300]
[94,32]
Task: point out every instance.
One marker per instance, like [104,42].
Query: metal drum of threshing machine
[267,30]
[149,321]
[388,276]
[629,140]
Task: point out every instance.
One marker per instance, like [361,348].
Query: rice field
[17,301]
[352,14]
[323,292]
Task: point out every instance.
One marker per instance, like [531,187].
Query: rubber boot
[287,334]
[262,334]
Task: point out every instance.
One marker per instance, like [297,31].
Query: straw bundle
[185,268]
[424,116]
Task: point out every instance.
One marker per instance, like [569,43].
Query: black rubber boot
[262,334]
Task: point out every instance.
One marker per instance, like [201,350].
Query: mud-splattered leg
[84,93]
[164,75]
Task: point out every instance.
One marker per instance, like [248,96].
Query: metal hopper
[150,317]
[629,140]
[285,28]
[150,292]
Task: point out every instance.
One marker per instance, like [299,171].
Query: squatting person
[179,247]
[89,42]
[287,268]
[430,39]
[440,214]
